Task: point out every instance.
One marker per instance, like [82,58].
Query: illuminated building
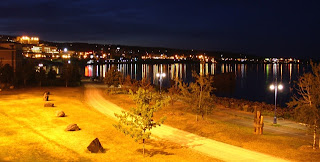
[27,40]
[32,49]
[40,51]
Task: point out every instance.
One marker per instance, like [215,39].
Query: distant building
[11,53]
[27,40]
[39,51]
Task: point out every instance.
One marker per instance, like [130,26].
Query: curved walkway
[207,146]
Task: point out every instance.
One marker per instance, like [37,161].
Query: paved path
[207,146]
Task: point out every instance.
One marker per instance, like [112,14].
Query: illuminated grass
[31,132]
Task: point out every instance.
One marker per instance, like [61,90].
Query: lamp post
[160,76]
[275,87]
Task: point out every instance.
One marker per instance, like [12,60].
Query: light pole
[275,87]
[160,76]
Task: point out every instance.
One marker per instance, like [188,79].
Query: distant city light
[65,50]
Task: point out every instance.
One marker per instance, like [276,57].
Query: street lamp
[160,76]
[275,87]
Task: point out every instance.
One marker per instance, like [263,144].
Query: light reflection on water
[252,80]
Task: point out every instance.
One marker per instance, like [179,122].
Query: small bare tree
[198,94]
[174,91]
[113,77]
[306,102]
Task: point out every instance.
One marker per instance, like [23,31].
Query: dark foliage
[70,74]
[6,74]
[113,77]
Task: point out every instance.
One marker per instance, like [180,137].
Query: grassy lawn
[31,132]
[220,129]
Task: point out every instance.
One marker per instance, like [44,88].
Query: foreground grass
[31,132]
[218,126]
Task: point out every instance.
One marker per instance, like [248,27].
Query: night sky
[268,28]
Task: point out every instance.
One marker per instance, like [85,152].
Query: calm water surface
[252,81]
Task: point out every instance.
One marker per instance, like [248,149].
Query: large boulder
[95,146]
[72,127]
[60,114]
[48,104]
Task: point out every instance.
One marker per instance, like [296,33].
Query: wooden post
[258,122]
[255,120]
[261,125]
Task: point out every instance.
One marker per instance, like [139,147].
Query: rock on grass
[60,114]
[72,127]
[95,146]
[48,104]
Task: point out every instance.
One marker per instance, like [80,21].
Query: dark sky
[273,28]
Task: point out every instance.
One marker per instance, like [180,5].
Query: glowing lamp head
[161,75]
[271,87]
[280,87]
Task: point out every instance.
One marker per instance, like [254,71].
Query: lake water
[252,81]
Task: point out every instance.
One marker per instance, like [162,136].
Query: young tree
[139,122]
[145,83]
[174,91]
[198,94]
[307,101]
[130,84]
[113,77]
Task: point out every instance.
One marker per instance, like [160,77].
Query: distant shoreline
[169,61]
